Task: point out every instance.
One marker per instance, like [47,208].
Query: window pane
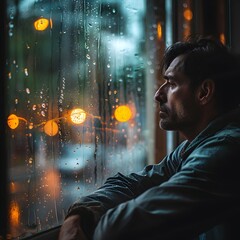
[77,101]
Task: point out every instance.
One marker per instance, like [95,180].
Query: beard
[177,120]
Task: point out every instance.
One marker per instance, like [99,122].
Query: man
[193,193]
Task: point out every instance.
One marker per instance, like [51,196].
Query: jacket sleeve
[203,193]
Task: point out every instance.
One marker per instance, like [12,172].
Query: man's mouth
[162,112]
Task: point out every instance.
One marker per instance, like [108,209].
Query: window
[78,96]
[80,82]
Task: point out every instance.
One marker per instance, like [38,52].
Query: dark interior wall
[234,25]
[222,16]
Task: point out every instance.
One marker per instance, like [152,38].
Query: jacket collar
[214,126]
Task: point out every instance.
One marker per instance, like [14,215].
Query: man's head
[201,75]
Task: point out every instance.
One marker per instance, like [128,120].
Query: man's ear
[206,91]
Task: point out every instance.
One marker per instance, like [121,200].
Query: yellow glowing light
[188,14]
[159,31]
[78,116]
[14,214]
[13,121]
[51,128]
[123,113]
[41,24]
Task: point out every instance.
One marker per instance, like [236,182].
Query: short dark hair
[206,57]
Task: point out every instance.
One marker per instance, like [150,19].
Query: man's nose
[160,95]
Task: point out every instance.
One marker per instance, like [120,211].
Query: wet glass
[78,80]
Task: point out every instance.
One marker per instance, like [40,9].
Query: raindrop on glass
[26,71]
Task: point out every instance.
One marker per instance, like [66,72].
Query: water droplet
[30,160]
[11,25]
[108,66]
[26,71]
[34,107]
[88,56]
[27,90]
[10,33]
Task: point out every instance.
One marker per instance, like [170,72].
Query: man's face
[178,105]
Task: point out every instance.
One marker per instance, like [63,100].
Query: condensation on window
[76,84]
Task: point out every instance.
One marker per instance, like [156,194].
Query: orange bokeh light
[14,214]
[52,183]
[41,24]
[159,30]
[13,121]
[188,15]
[78,116]
[123,113]
[51,128]
[222,38]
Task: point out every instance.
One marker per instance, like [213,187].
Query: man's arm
[116,190]
[203,193]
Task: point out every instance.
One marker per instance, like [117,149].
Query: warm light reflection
[12,187]
[188,14]
[222,38]
[51,23]
[14,214]
[52,183]
[41,24]
[13,121]
[159,30]
[51,128]
[78,116]
[123,113]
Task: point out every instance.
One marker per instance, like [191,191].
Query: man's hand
[71,229]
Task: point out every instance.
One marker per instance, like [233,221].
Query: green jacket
[193,193]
